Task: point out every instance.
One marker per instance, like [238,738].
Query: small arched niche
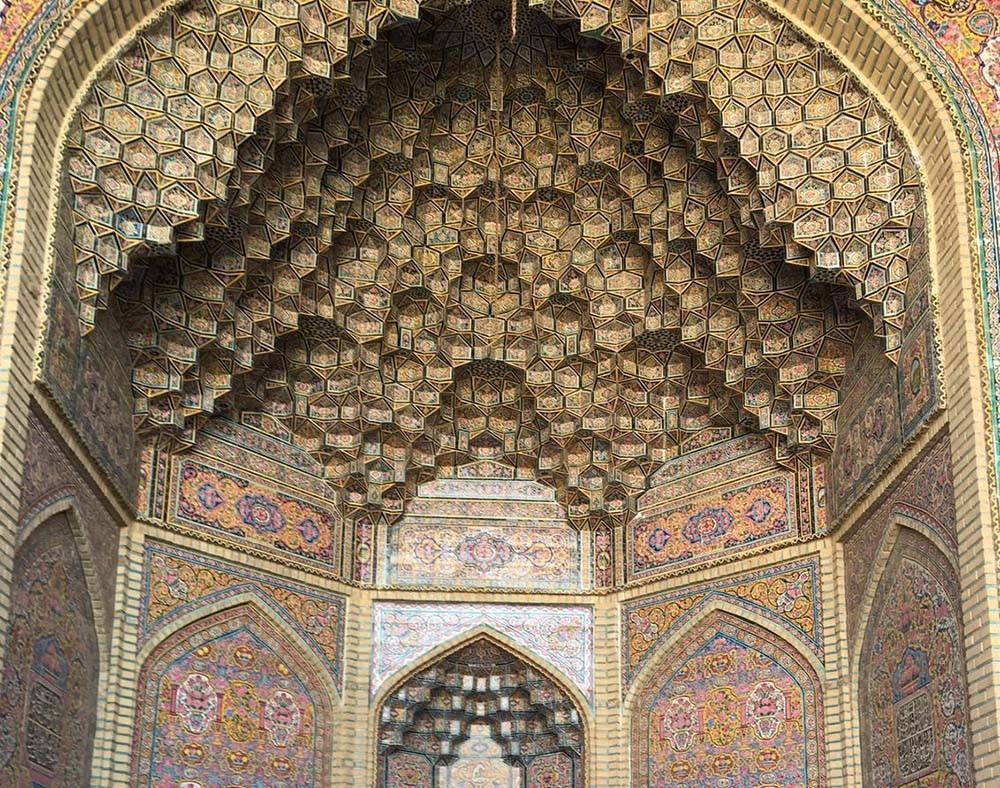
[480,715]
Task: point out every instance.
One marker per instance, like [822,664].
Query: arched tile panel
[730,703]
[228,700]
[913,695]
[48,698]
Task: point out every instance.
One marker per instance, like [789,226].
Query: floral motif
[707,526]
[561,635]
[484,551]
[262,514]
[251,511]
[784,593]
[176,581]
[491,540]
[282,718]
[735,516]
[228,701]
[49,695]
[732,701]
[913,696]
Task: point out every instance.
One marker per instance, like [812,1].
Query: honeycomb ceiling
[482,684]
[484,236]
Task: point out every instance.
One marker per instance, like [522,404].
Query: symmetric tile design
[484,236]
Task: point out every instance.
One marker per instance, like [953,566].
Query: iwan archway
[600,316]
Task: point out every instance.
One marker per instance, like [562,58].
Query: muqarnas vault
[490,393]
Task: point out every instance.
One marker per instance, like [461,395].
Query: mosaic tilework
[883,405]
[734,705]
[466,539]
[925,494]
[788,593]
[408,770]
[555,769]
[222,498]
[913,696]
[704,526]
[245,489]
[175,582]
[50,477]
[718,502]
[90,380]
[229,699]
[48,699]
[562,636]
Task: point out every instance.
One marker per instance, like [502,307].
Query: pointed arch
[714,605]
[900,522]
[753,701]
[68,506]
[242,673]
[253,596]
[486,632]
[908,666]
[54,673]
[485,635]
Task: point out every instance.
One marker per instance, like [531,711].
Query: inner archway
[480,715]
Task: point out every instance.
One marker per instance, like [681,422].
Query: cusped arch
[757,692]
[243,674]
[484,636]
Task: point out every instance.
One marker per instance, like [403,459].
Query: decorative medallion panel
[247,490]
[228,701]
[733,705]
[720,502]
[487,534]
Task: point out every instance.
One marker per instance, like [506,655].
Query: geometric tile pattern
[486,236]
[519,715]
